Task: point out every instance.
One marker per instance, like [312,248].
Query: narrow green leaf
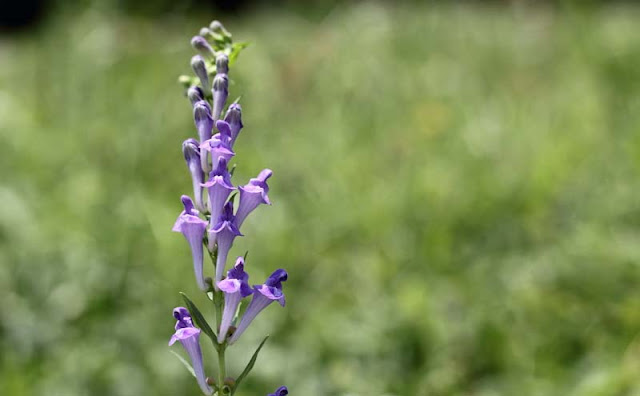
[184,362]
[249,366]
[200,320]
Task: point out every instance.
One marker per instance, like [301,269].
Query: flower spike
[263,295]
[235,287]
[189,337]
[193,228]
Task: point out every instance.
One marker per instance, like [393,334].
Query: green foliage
[455,197]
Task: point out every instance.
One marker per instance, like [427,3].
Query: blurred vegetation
[455,196]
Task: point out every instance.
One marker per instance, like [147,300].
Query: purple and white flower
[263,295]
[189,337]
[193,228]
[235,287]
[253,194]
[224,232]
[218,187]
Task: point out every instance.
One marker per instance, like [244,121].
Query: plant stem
[221,368]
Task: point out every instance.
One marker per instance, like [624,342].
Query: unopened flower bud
[220,93]
[201,45]
[205,31]
[200,69]
[217,27]
[195,94]
[222,63]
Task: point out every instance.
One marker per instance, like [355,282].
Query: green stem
[221,368]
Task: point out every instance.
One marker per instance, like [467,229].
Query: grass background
[456,198]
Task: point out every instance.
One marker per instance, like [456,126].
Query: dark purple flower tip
[202,112]
[195,94]
[237,280]
[234,115]
[222,63]
[272,287]
[221,83]
[188,205]
[276,278]
[227,221]
[183,318]
[224,178]
[281,391]
[224,128]
[190,150]
[200,43]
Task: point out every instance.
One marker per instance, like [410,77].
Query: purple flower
[189,337]
[263,295]
[201,45]
[191,153]
[193,228]
[195,94]
[224,232]
[218,146]
[222,63]
[200,69]
[220,93]
[235,287]
[219,187]
[253,194]
[234,119]
[281,391]
[204,125]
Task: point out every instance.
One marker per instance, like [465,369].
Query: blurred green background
[456,197]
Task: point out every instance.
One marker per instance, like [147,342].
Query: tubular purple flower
[235,287]
[219,187]
[224,232]
[220,93]
[193,228]
[222,63]
[281,391]
[189,337]
[204,125]
[191,152]
[253,194]
[263,295]
[218,146]
[195,94]
[200,70]
[201,45]
[234,119]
